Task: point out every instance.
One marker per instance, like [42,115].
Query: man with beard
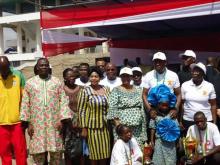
[44,106]
[188,57]
[111,80]
[161,75]
[11,133]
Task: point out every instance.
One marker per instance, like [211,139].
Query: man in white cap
[161,75]
[137,76]
[188,57]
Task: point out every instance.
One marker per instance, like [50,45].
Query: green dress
[127,106]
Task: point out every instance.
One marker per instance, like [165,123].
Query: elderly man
[208,137]
[44,106]
[11,132]
[161,75]
[111,80]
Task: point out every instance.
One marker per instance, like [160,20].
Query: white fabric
[188,53]
[111,83]
[171,79]
[213,135]
[141,85]
[80,83]
[159,56]
[197,99]
[199,65]
[120,150]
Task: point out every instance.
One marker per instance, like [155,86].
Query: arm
[152,136]
[177,92]
[144,96]
[213,109]
[181,112]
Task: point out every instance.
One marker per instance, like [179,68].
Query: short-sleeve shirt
[10,97]
[169,78]
[197,99]
[111,83]
[210,136]
[80,83]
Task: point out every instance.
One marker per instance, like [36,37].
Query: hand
[84,133]
[173,114]
[116,122]
[152,143]
[30,130]
[153,114]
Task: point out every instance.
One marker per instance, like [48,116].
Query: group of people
[95,113]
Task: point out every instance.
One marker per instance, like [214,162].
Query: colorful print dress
[93,109]
[127,106]
[44,105]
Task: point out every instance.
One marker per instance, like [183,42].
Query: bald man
[111,80]
[11,133]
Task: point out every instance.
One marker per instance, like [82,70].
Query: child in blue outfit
[164,127]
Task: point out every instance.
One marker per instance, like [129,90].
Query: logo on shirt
[14,83]
[169,82]
[204,93]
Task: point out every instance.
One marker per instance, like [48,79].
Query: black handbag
[73,144]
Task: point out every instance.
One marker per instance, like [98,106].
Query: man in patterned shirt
[44,106]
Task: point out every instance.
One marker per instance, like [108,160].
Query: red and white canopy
[141,11]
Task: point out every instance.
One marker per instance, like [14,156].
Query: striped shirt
[93,108]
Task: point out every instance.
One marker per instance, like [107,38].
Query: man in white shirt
[208,137]
[83,80]
[161,75]
[111,80]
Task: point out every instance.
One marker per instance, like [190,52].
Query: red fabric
[76,15]
[204,42]
[12,136]
[60,48]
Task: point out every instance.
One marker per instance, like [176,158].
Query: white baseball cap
[159,56]
[199,65]
[126,70]
[136,69]
[188,53]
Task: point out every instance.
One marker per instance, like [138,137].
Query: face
[126,134]
[94,78]
[70,78]
[83,71]
[164,106]
[187,61]
[126,79]
[111,72]
[4,67]
[197,73]
[137,76]
[200,121]
[159,65]
[43,67]
[101,65]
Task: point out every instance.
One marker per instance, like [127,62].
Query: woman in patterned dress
[126,107]
[92,108]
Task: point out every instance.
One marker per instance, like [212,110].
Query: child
[164,127]
[126,150]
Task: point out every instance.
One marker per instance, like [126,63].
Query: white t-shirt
[121,151]
[141,85]
[169,78]
[111,83]
[209,137]
[80,83]
[197,99]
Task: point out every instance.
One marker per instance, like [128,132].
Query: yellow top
[10,98]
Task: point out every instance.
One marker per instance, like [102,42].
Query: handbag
[73,144]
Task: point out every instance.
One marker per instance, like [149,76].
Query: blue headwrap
[161,93]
